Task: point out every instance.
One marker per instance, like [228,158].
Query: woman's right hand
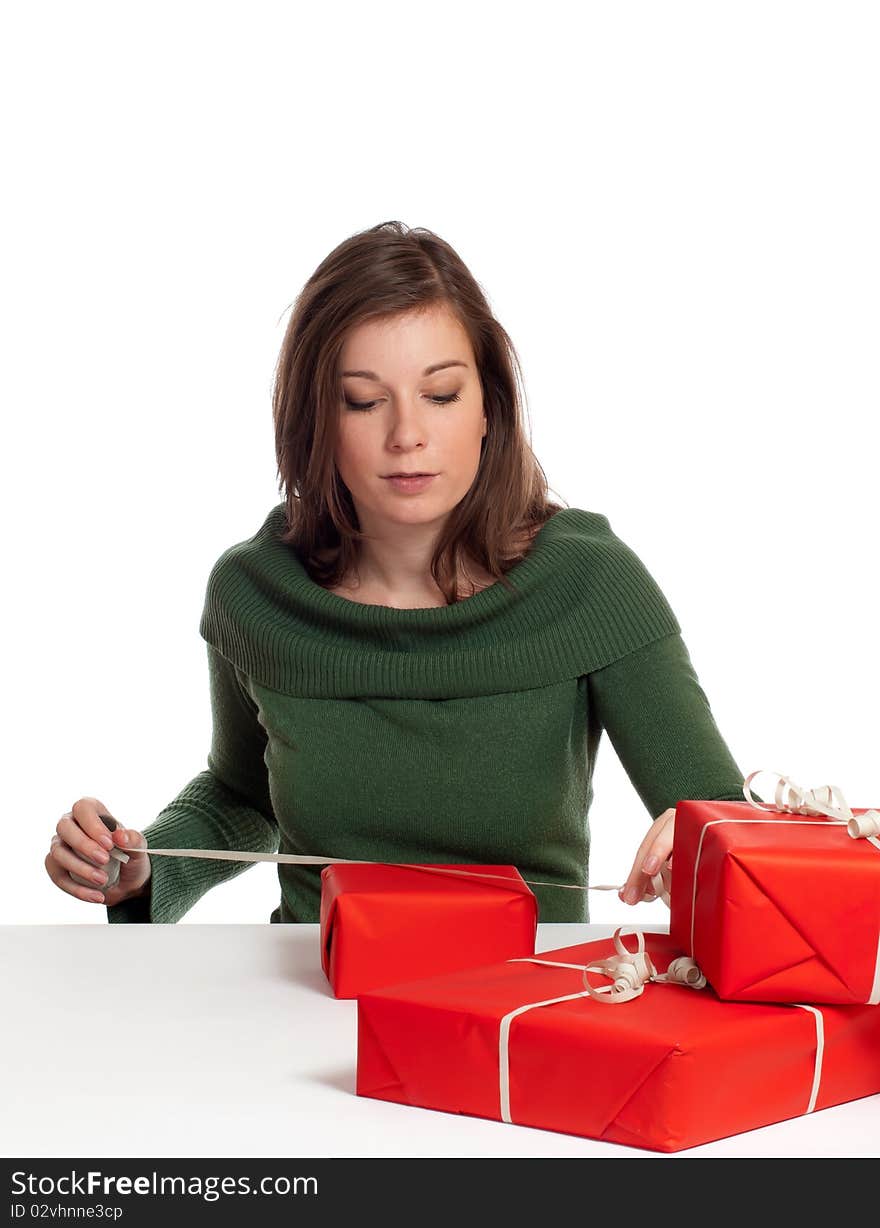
[80,845]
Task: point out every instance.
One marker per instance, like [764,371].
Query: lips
[410,483]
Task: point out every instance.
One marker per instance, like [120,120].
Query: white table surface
[153,1041]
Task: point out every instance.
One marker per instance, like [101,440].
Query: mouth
[409,483]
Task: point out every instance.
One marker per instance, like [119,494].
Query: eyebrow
[437,366]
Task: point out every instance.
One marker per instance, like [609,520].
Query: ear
[485,424]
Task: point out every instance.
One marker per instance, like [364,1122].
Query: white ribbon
[825,801]
[630,972]
[820,1051]
[657,884]
[808,801]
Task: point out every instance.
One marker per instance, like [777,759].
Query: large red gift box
[378,921]
[776,906]
[520,1042]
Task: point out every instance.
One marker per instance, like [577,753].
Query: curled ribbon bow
[824,799]
[630,971]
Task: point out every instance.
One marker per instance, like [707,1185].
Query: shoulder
[244,582]
[611,578]
[251,552]
[583,537]
[266,535]
[579,524]
[588,533]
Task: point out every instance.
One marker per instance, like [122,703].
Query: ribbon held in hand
[659,887]
[825,800]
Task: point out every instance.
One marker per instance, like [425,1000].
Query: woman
[413,658]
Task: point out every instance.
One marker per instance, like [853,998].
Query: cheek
[352,450]
[465,440]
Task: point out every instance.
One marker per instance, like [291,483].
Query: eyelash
[366,406]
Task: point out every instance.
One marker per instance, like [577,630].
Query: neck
[394,567]
[396,560]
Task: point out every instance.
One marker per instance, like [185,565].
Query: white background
[673,210]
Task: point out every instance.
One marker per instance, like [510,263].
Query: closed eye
[438,400]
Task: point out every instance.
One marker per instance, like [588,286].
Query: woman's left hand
[655,853]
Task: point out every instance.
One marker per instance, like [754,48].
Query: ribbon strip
[657,884]
[630,971]
[824,800]
[820,1051]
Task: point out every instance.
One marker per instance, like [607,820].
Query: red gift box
[378,922]
[675,1067]
[776,906]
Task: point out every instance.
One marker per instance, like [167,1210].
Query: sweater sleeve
[662,727]
[226,807]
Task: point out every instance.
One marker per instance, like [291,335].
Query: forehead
[406,340]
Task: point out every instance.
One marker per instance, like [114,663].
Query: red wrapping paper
[785,911]
[378,922]
[671,1069]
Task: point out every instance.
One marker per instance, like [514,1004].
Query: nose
[407,427]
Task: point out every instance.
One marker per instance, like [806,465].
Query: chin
[416,511]
[426,508]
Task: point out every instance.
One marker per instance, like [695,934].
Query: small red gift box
[777,906]
[378,922]
[675,1067]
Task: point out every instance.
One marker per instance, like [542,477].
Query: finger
[633,875]
[659,885]
[67,858]
[128,838]
[650,893]
[61,878]
[666,875]
[650,888]
[135,869]
[95,820]
[70,832]
[657,852]
[645,892]
[632,889]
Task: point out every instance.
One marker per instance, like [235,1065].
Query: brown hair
[373,274]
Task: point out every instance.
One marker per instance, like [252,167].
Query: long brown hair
[373,274]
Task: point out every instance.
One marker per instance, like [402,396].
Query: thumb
[126,839]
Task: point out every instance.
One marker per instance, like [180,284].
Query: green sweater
[459,733]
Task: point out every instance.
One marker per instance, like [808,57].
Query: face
[412,402]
